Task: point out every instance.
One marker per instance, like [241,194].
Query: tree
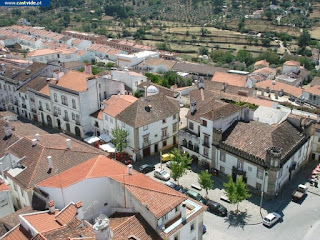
[203,51]
[304,38]
[120,138]
[265,42]
[205,181]
[236,191]
[268,14]
[245,56]
[179,163]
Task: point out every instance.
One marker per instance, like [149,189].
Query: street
[297,218]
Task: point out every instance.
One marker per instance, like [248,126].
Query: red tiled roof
[43,221]
[291,63]
[159,197]
[74,80]
[230,78]
[314,90]
[18,233]
[262,62]
[117,103]
[294,91]
[66,215]
[3,186]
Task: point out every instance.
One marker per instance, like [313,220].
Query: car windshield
[221,208]
[163,172]
[266,219]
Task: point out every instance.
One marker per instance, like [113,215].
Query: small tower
[193,107]
[101,228]
[273,157]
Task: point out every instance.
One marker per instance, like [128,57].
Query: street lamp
[262,190]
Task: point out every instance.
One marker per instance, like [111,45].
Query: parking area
[299,216]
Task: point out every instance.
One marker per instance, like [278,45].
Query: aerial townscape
[160,119]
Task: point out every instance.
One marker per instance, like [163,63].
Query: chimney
[184,212]
[145,91]
[102,228]
[201,83]
[50,162]
[7,129]
[3,68]
[1,169]
[68,143]
[130,169]
[34,142]
[193,107]
[80,214]
[52,208]
[38,137]
[88,68]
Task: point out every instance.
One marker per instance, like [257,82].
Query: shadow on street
[237,219]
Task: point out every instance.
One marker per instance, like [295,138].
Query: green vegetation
[236,191]
[120,139]
[168,79]
[179,163]
[205,181]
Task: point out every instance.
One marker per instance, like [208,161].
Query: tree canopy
[120,138]
[179,163]
[205,181]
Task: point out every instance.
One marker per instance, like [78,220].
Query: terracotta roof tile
[116,104]
[18,233]
[74,80]
[35,67]
[43,221]
[66,214]
[41,52]
[261,62]
[278,86]
[36,84]
[313,90]
[230,78]
[291,63]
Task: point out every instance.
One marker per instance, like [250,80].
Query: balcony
[16,103]
[33,110]
[238,171]
[66,119]
[78,123]
[24,105]
[189,140]
[164,136]
[40,108]
[55,114]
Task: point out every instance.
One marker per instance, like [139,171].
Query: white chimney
[183,212]
[130,169]
[80,214]
[38,137]
[1,169]
[7,129]
[34,142]
[52,208]
[102,228]
[50,162]
[68,143]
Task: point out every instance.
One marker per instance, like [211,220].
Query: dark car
[216,208]
[196,196]
[204,229]
[145,168]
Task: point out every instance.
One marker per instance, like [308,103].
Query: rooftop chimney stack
[38,137]
[145,91]
[34,142]
[50,162]
[184,212]
[88,68]
[102,228]
[7,129]
[52,208]
[130,169]
[193,107]
[68,141]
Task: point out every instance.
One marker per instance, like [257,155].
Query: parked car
[271,219]
[196,196]
[171,184]
[292,99]
[168,164]
[204,229]
[166,157]
[216,208]
[300,192]
[145,168]
[161,174]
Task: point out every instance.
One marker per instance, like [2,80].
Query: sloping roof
[124,225]
[34,68]
[3,186]
[136,115]
[166,91]
[315,81]
[291,63]
[74,64]
[159,61]
[255,137]
[11,68]
[74,80]
[221,112]
[266,71]
[117,103]
[197,68]
[41,52]
[35,157]
[230,78]
[36,84]
[218,87]
[313,90]
[261,63]
[159,197]
[278,86]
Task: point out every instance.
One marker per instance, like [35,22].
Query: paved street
[298,218]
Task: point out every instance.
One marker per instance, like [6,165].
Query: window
[77,118]
[164,132]
[259,174]
[15,187]
[318,139]
[249,169]
[191,125]
[146,139]
[73,116]
[176,237]
[40,105]
[174,127]
[96,124]
[191,227]
[9,88]
[66,115]
[111,119]
[145,127]
[64,100]
[299,154]
[74,104]
[55,97]
[174,117]
[164,217]
[136,83]
[59,111]
[205,151]
[47,106]
[240,164]
[106,117]
[204,123]
[3,202]
[222,156]
[164,143]
[163,120]
[177,208]
[206,140]
[280,172]
[222,169]
[258,186]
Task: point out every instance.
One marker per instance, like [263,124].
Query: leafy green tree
[245,56]
[270,56]
[120,139]
[304,38]
[236,191]
[179,163]
[205,181]
[268,14]
[241,24]
[138,94]
[203,51]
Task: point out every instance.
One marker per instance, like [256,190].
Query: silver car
[161,174]
[271,219]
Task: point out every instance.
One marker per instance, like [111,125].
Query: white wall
[6,203]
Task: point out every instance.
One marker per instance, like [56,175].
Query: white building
[102,177]
[6,203]
[222,136]
[291,67]
[129,78]
[135,58]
